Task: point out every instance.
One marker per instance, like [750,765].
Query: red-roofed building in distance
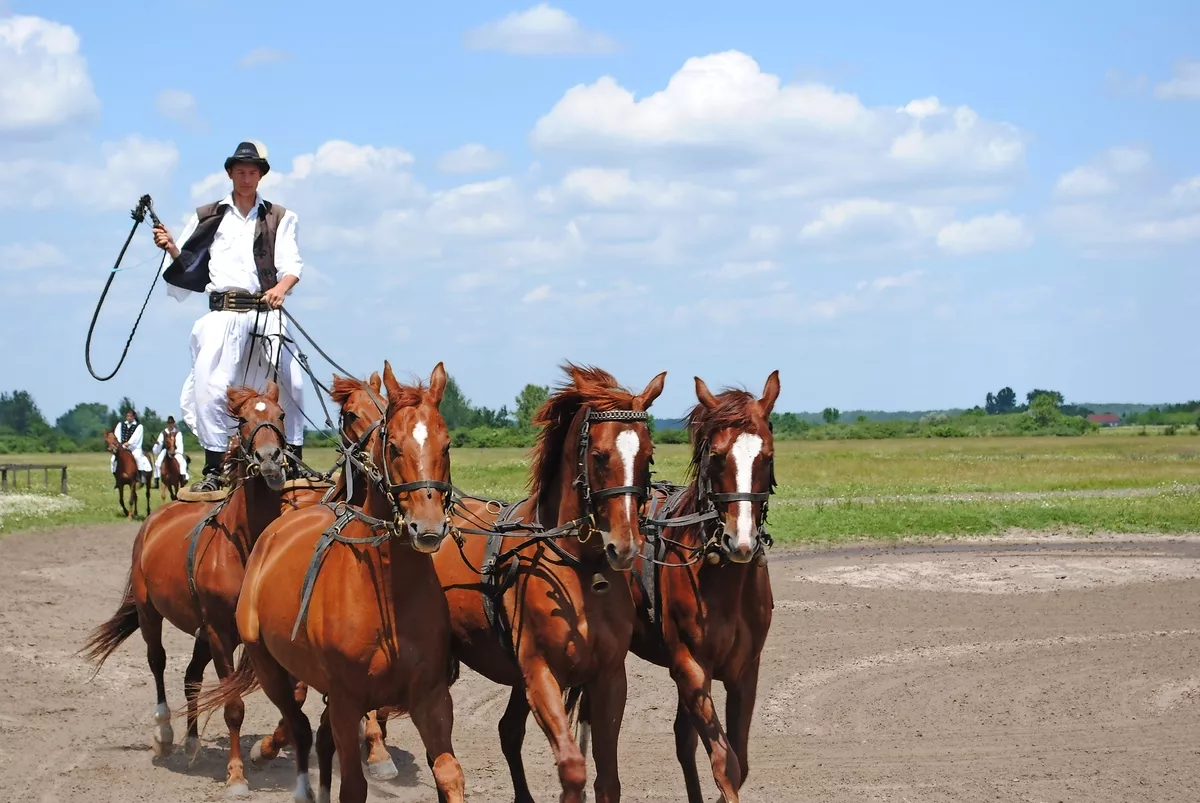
[1105,419]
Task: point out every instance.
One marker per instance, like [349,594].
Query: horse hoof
[304,792]
[238,789]
[323,795]
[161,749]
[383,770]
[191,747]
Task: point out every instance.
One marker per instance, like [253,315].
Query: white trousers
[179,461]
[143,462]
[225,354]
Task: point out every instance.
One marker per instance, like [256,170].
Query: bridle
[583,481]
[707,501]
[247,455]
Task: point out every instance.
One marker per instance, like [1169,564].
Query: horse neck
[559,502]
[262,505]
[692,535]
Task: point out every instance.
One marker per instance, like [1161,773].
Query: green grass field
[836,490]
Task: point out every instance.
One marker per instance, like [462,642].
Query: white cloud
[179,106]
[122,173]
[31,256]
[733,271]
[721,113]
[263,55]
[540,30]
[1183,85]
[471,158]
[1124,206]
[539,293]
[44,81]
[998,232]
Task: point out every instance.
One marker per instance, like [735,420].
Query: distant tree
[86,422]
[529,400]
[1043,410]
[455,407]
[20,413]
[991,407]
[1006,400]
[830,414]
[1054,394]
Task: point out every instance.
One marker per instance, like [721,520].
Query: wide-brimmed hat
[252,152]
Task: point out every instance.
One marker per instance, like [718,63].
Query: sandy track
[957,672]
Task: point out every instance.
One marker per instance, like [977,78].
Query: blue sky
[898,207]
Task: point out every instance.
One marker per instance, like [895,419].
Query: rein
[144,207]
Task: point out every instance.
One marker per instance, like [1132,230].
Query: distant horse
[127,475]
[551,614]
[170,477]
[187,567]
[347,601]
[702,590]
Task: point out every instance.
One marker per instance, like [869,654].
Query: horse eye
[600,457]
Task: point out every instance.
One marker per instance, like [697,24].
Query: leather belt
[237,301]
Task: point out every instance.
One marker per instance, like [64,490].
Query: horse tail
[106,638]
[243,681]
[575,702]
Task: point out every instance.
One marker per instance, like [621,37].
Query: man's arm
[288,263]
[163,239]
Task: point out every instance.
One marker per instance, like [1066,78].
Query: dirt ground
[1019,669]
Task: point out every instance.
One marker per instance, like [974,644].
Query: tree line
[24,429]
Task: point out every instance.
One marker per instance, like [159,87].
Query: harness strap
[194,541]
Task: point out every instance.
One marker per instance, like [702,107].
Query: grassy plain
[836,490]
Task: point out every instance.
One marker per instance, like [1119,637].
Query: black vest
[127,430]
[190,269]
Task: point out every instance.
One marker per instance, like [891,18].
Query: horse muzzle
[425,538]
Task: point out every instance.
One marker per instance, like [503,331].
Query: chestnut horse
[702,588]
[187,567]
[347,601]
[127,474]
[170,478]
[551,613]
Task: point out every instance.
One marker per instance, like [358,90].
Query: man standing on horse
[130,435]
[241,252]
[161,452]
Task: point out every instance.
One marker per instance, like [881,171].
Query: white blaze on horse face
[745,449]
[628,444]
[420,433]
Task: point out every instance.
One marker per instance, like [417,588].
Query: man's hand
[274,297]
[162,238]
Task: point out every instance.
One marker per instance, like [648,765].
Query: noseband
[253,464]
[708,500]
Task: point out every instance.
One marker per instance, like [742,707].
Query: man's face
[245,178]
[129,416]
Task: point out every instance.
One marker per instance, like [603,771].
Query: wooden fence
[29,468]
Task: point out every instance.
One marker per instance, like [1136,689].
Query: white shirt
[135,440]
[161,443]
[231,257]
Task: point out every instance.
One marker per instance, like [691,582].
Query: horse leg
[512,736]
[325,751]
[605,701]
[270,746]
[221,644]
[433,717]
[344,718]
[150,622]
[739,710]
[283,691]
[695,692]
[379,761]
[685,751]
[121,498]
[545,700]
[201,657]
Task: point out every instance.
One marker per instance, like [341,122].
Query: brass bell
[761,560]
[599,583]
[713,558]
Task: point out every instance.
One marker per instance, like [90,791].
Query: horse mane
[405,395]
[588,386]
[343,388]
[735,409]
[236,397]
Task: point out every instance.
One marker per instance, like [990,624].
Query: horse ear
[704,394]
[770,393]
[272,392]
[437,384]
[652,391]
[375,382]
[389,381]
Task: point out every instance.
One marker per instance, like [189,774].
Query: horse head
[260,442]
[169,443]
[733,463]
[596,439]
[111,443]
[412,452]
